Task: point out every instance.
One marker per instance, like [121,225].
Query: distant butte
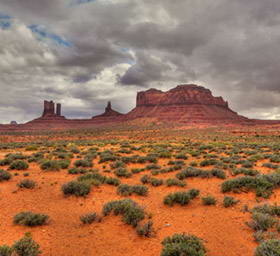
[186,104]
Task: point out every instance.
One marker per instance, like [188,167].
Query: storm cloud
[84,53]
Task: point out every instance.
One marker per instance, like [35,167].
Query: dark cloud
[118,46]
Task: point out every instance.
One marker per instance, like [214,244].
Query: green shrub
[183,244]
[112,181]
[262,184]
[268,248]
[132,213]
[77,171]
[5,250]
[145,230]
[30,219]
[4,175]
[181,156]
[261,221]
[245,171]
[122,172]
[175,182]
[6,161]
[117,164]
[182,198]
[229,201]
[152,167]
[156,182]
[27,183]
[26,246]
[126,190]
[272,210]
[88,218]
[82,163]
[195,172]
[137,170]
[209,200]
[19,165]
[76,188]
[145,179]
[208,162]
[50,165]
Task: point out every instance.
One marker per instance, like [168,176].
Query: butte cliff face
[184,103]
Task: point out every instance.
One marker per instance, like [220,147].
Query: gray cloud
[117,47]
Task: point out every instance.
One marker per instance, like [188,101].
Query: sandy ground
[223,230]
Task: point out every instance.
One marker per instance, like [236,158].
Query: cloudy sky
[83,53]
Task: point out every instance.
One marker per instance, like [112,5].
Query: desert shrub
[139,190]
[76,188]
[6,161]
[126,190]
[155,172]
[208,200]
[151,158]
[261,236]
[262,184]
[50,165]
[208,162]
[156,182]
[268,248]
[247,164]
[152,167]
[261,221]
[145,179]
[82,163]
[182,198]
[195,172]
[26,246]
[275,159]
[181,156]
[5,250]
[270,165]
[112,181]
[77,171]
[122,172]
[229,201]
[137,170]
[4,175]
[30,219]
[27,183]
[64,164]
[93,178]
[19,165]
[15,156]
[193,164]
[117,164]
[74,150]
[132,213]
[193,193]
[245,171]
[183,244]
[107,156]
[272,210]
[218,173]
[88,218]
[145,230]
[175,182]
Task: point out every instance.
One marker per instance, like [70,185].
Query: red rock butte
[186,104]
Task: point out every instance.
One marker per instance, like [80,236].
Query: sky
[83,53]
